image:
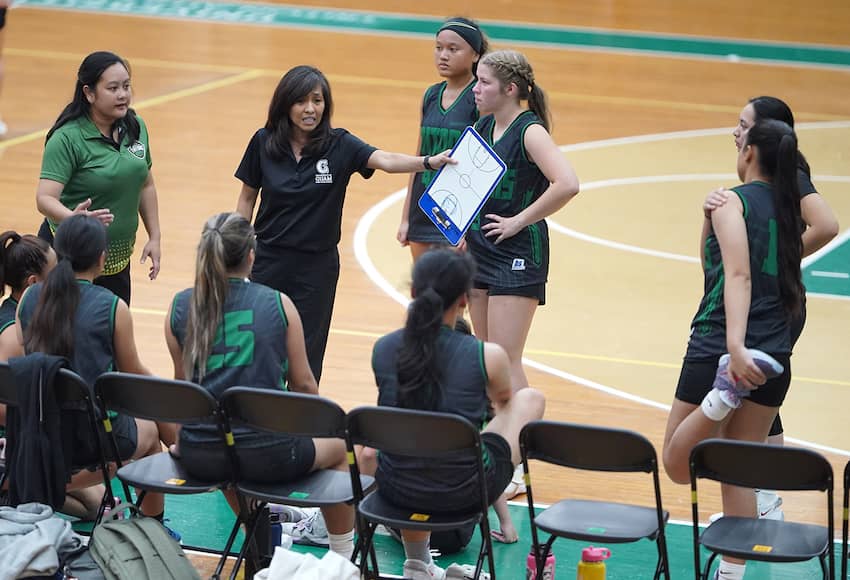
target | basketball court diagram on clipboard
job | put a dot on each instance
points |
(456, 194)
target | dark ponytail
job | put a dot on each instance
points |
(79, 243)
(767, 108)
(89, 73)
(20, 258)
(778, 159)
(440, 277)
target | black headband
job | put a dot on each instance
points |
(469, 32)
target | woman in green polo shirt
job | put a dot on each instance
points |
(97, 162)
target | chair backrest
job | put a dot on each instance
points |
(156, 399)
(588, 447)
(412, 433)
(8, 386)
(284, 412)
(760, 465)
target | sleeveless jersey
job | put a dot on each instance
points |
(249, 348)
(464, 391)
(440, 130)
(94, 327)
(523, 259)
(7, 313)
(768, 323)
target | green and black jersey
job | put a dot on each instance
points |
(440, 130)
(94, 328)
(768, 322)
(522, 260)
(7, 313)
(249, 349)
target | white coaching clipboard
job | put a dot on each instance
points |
(456, 194)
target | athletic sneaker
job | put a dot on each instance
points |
(289, 513)
(311, 531)
(768, 503)
(729, 392)
(419, 570)
(464, 572)
(517, 484)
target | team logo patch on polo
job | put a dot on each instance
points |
(323, 172)
(518, 264)
(137, 149)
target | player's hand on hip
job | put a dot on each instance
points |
(104, 215)
(500, 227)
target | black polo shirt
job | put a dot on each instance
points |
(301, 202)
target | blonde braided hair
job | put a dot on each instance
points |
(511, 66)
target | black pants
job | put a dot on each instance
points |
(309, 279)
(118, 283)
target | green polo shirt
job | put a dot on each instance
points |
(91, 166)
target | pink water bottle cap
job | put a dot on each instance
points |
(592, 554)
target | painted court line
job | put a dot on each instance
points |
(153, 102)
(368, 219)
(842, 275)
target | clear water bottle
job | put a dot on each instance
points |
(592, 565)
(531, 566)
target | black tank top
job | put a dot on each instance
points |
(768, 322)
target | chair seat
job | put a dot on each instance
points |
(598, 520)
(769, 540)
(163, 473)
(321, 487)
(376, 509)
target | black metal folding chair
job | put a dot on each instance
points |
(415, 434)
(170, 401)
(291, 414)
(594, 448)
(758, 465)
(73, 394)
(844, 517)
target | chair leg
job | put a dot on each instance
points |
(366, 549)
(540, 556)
(227, 547)
(663, 561)
(486, 548)
(250, 528)
(708, 563)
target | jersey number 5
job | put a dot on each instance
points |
(236, 339)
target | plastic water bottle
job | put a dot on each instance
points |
(592, 565)
(531, 566)
(275, 529)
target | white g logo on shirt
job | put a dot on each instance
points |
(322, 166)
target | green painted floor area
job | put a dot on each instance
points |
(830, 273)
(205, 520)
(383, 23)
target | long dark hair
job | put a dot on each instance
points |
(79, 243)
(295, 85)
(440, 277)
(766, 108)
(91, 69)
(225, 242)
(776, 143)
(21, 256)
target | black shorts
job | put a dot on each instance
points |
(126, 438)
(537, 291)
(697, 377)
(498, 470)
(266, 459)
